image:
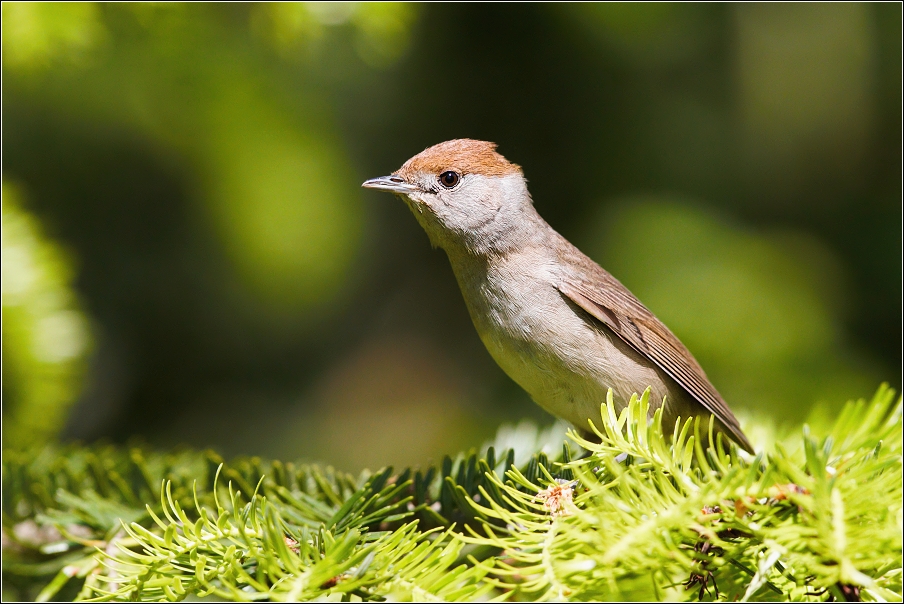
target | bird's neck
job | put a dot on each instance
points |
(504, 236)
(472, 256)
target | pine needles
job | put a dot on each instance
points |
(639, 516)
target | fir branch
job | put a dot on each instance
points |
(652, 516)
(640, 516)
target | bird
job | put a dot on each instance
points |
(555, 321)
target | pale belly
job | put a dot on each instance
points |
(573, 386)
(564, 359)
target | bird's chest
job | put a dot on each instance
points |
(563, 360)
(533, 334)
(514, 311)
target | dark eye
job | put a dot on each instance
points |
(449, 179)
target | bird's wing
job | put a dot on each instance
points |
(620, 311)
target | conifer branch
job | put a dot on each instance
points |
(638, 516)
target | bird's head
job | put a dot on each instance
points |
(464, 193)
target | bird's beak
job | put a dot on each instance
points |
(393, 184)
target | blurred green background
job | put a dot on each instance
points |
(188, 257)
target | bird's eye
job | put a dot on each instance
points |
(449, 179)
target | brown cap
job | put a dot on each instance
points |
(463, 155)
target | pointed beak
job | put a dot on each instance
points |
(393, 184)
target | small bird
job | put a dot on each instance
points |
(555, 321)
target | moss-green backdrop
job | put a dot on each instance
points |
(188, 257)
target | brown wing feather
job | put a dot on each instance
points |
(631, 321)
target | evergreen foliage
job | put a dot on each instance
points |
(638, 516)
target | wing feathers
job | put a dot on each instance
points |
(631, 321)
